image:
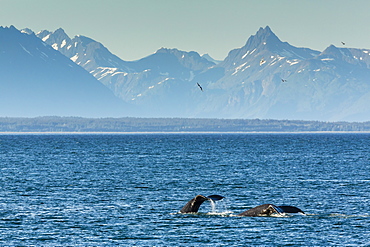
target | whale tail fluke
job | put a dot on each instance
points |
(291, 209)
(193, 205)
(215, 197)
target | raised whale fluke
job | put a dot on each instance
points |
(269, 209)
(193, 205)
(291, 209)
(215, 197)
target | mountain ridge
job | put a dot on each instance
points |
(266, 78)
(37, 80)
(261, 82)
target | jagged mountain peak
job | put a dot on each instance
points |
(53, 38)
(348, 55)
(61, 33)
(38, 80)
(166, 59)
(265, 44)
(336, 52)
(173, 51)
(333, 52)
(266, 78)
(43, 33)
(191, 59)
(60, 30)
(85, 40)
(262, 37)
(178, 52)
(27, 31)
(83, 50)
(331, 48)
(11, 27)
(265, 33)
(166, 50)
(11, 30)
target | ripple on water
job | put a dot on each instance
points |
(102, 190)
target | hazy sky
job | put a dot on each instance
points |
(133, 29)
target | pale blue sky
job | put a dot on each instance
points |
(133, 29)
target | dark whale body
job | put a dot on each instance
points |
(263, 210)
(270, 209)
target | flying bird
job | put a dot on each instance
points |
(262, 61)
(283, 80)
(200, 87)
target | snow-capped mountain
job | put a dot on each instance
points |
(82, 50)
(158, 82)
(37, 80)
(266, 78)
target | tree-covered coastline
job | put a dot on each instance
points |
(129, 124)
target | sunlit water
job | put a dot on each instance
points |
(126, 190)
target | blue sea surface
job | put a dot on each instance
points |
(127, 189)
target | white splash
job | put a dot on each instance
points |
(219, 208)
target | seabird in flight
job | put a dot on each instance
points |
(262, 61)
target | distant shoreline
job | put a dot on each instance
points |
(181, 132)
(128, 125)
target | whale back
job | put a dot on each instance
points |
(262, 210)
(269, 209)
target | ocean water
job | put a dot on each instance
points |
(127, 189)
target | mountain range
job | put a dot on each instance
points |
(266, 78)
(37, 80)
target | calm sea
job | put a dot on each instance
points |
(126, 190)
